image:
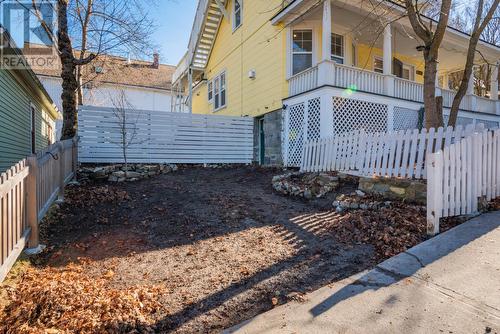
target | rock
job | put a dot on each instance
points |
(119, 174)
(360, 193)
(364, 206)
(133, 175)
(99, 173)
(307, 194)
(398, 191)
(339, 209)
(336, 203)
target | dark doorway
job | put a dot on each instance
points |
(262, 142)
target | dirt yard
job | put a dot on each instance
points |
(212, 248)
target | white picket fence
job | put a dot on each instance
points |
(390, 154)
(164, 137)
(460, 174)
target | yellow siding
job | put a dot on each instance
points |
(256, 45)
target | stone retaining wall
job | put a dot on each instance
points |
(411, 191)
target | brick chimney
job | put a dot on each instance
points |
(156, 60)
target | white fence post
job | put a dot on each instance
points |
(434, 191)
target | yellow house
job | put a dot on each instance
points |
(309, 69)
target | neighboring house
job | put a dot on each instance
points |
(27, 113)
(309, 69)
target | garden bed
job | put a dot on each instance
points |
(195, 250)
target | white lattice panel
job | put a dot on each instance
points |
(405, 119)
(488, 124)
(295, 134)
(350, 115)
(464, 121)
(314, 119)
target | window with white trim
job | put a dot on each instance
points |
(408, 72)
(302, 50)
(337, 48)
(237, 14)
(378, 64)
(219, 95)
(210, 91)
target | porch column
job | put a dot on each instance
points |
(326, 68)
(190, 89)
(327, 31)
(389, 77)
(494, 83)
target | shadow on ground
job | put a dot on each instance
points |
(225, 245)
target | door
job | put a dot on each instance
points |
(262, 142)
(33, 129)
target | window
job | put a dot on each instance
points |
(210, 91)
(378, 65)
(237, 14)
(338, 48)
(219, 91)
(408, 72)
(302, 50)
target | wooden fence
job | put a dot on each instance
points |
(460, 174)
(391, 154)
(27, 190)
(164, 137)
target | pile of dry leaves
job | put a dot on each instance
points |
(69, 301)
(391, 230)
(81, 197)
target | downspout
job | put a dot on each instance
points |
(190, 87)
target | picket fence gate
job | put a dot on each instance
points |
(27, 190)
(164, 137)
(460, 174)
(390, 154)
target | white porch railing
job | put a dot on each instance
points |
(486, 105)
(359, 79)
(408, 90)
(362, 80)
(304, 81)
(448, 96)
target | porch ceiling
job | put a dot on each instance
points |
(365, 26)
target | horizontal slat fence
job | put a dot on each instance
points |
(460, 174)
(164, 137)
(27, 190)
(390, 154)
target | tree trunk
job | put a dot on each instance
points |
(80, 87)
(431, 116)
(462, 90)
(68, 73)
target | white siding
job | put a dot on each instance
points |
(139, 97)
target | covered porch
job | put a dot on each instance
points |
(362, 48)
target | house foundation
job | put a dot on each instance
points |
(268, 139)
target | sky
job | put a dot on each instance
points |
(174, 20)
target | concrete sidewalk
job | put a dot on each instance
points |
(449, 284)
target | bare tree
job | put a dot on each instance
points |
(126, 117)
(96, 27)
(483, 18)
(432, 39)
